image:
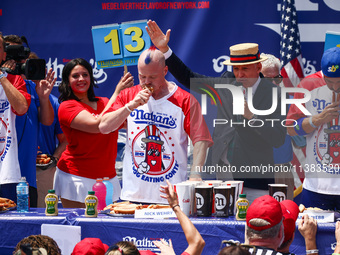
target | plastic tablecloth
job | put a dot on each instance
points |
(15, 226)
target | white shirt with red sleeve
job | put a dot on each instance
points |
(322, 168)
(157, 142)
(9, 163)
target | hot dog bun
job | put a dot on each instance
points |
(127, 207)
(158, 206)
(148, 87)
(111, 206)
(302, 208)
(43, 159)
(6, 203)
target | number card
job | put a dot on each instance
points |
(120, 44)
(332, 40)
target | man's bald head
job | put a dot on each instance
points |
(151, 56)
(152, 71)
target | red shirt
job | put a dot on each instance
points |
(90, 155)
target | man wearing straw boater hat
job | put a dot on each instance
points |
(253, 143)
(240, 146)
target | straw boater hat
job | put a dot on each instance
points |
(244, 54)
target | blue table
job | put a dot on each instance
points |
(15, 226)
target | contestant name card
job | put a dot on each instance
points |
(320, 216)
(117, 45)
(155, 213)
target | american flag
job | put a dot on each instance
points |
(290, 48)
(292, 70)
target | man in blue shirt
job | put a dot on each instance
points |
(52, 141)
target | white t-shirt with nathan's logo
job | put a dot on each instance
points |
(157, 142)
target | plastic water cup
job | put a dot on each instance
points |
(184, 193)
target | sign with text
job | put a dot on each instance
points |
(155, 213)
(321, 216)
(332, 40)
(119, 44)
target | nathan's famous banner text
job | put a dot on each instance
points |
(201, 31)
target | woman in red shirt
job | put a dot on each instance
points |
(89, 154)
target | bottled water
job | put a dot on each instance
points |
(22, 196)
(109, 190)
(100, 191)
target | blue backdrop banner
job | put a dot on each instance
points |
(201, 31)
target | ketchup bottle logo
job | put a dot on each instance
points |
(333, 144)
(153, 151)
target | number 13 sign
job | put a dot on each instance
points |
(120, 44)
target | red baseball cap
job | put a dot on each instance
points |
(290, 211)
(90, 246)
(266, 208)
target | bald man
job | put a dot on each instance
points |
(160, 118)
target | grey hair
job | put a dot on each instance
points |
(263, 234)
(271, 61)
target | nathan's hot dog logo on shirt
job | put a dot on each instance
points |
(4, 105)
(332, 155)
(143, 117)
(152, 155)
(153, 151)
(327, 145)
(5, 138)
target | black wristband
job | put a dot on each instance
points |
(173, 208)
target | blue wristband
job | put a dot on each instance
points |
(3, 74)
(311, 122)
(298, 128)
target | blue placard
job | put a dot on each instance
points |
(120, 44)
(135, 38)
(107, 42)
(332, 40)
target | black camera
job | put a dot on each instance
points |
(17, 52)
(33, 69)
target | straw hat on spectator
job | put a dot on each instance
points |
(244, 54)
